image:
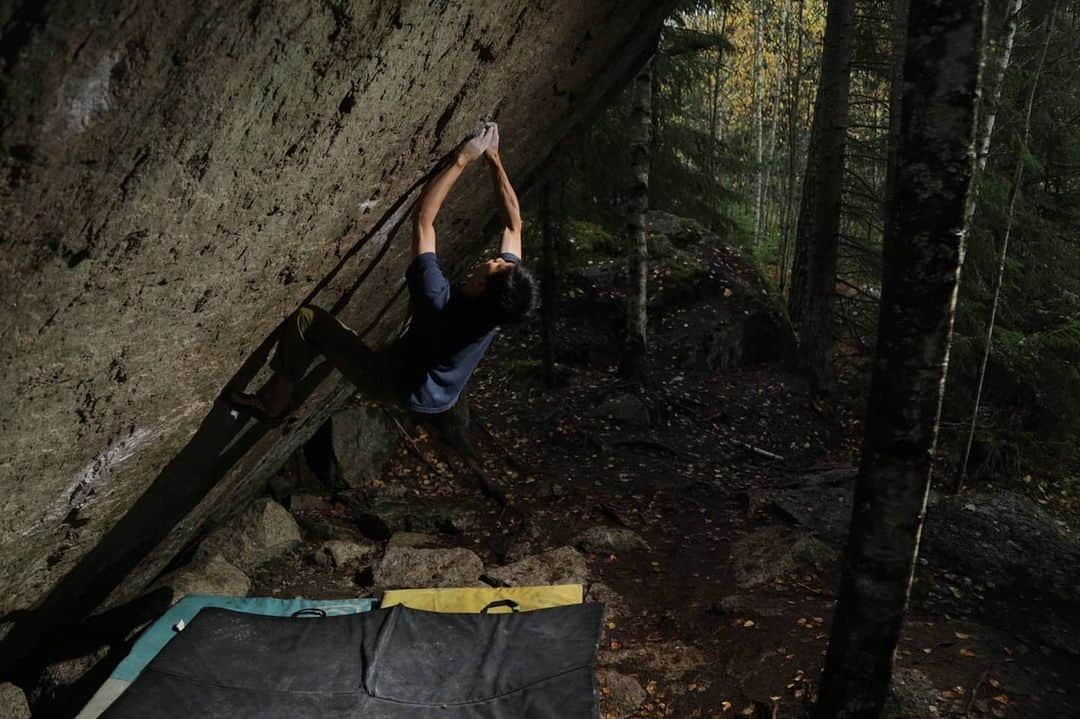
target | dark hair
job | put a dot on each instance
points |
(511, 294)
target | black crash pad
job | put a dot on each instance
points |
(386, 664)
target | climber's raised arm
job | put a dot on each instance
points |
(508, 201)
(433, 194)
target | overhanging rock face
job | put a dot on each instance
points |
(178, 177)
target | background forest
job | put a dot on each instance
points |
(733, 88)
(726, 422)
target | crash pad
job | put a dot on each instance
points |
(496, 600)
(388, 663)
(170, 624)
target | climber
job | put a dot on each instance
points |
(451, 325)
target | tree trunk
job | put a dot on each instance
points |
(794, 79)
(990, 106)
(634, 343)
(770, 152)
(896, 92)
(1014, 191)
(718, 82)
(759, 102)
(1012, 14)
(828, 140)
(924, 246)
(549, 291)
(804, 229)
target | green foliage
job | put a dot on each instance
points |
(589, 241)
(691, 169)
(1031, 396)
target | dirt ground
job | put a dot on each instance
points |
(685, 479)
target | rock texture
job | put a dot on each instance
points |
(262, 532)
(602, 539)
(13, 702)
(405, 567)
(620, 695)
(209, 575)
(179, 177)
(337, 553)
(563, 565)
(773, 552)
(364, 440)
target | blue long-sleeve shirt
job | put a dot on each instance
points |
(447, 336)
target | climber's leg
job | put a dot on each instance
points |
(307, 333)
(367, 369)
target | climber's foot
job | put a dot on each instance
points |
(269, 405)
(249, 405)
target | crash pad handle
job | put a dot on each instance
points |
(309, 612)
(514, 606)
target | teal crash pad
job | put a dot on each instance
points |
(160, 632)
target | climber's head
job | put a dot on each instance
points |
(507, 289)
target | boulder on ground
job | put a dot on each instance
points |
(913, 696)
(379, 519)
(602, 539)
(773, 552)
(363, 439)
(304, 503)
(620, 695)
(338, 553)
(410, 568)
(564, 565)
(1005, 541)
(318, 527)
(167, 242)
(207, 575)
(13, 702)
(412, 539)
(263, 532)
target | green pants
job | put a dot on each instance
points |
(312, 331)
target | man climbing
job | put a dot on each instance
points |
(451, 325)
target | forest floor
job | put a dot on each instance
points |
(725, 613)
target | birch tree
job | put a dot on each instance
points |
(759, 119)
(766, 170)
(1014, 191)
(924, 249)
(634, 354)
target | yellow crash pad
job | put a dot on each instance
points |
(469, 600)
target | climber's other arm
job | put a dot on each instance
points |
(431, 198)
(508, 201)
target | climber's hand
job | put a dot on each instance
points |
(476, 147)
(492, 152)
